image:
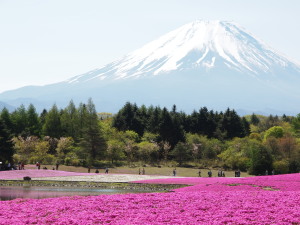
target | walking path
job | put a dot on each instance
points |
(72, 176)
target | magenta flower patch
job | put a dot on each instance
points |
(253, 200)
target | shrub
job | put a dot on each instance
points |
(294, 166)
(281, 166)
(49, 159)
(27, 178)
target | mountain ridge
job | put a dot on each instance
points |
(204, 63)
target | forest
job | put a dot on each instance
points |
(140, 135)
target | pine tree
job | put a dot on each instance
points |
(52, 125)
(70, 121)
(19, 118)
(129, 118)
(92, 142)
(33, 123)
(154, 120)
(232, 124)
(6, 146)
(6, 118)
(170, 129)
(254, 119)
(193, 123)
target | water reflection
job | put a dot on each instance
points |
(10, 193)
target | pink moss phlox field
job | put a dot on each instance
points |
(208, 201)
(19, 174)
(287, 182)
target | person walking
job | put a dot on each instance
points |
(174, 172)
(209, 173)
(199, 173)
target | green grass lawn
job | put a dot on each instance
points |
(149, 170)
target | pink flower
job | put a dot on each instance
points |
(253, 200)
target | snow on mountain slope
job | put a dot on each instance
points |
(201, 45)
(205, 63)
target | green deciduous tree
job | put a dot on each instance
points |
(65, 145)
(296, 124)
(238, 153)
(25, 147)
(261, 160)
(148, 151)
(275, 131)
(115, 150)
(181, 153)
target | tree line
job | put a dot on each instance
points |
(78, 135)
(70, 136)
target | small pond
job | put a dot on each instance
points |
(13, 192)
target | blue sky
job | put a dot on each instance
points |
(47, 41)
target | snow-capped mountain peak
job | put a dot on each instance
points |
(215, 64)
(202, 45)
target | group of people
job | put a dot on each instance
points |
(97, 170)
(221, 173)
(9, 166)
(38, 166)
(237, 173)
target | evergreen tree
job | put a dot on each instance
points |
(6, 146)
(43, 117)
(52, 125)
(19, 118)
(92, 142)
(128, 118)
(82, 115)
(286, 118)
(246, 127)
(254, 119)
(70, 121)
(165, 126)
(203, 121)
(193, 123)
(212, 124)
(154, 120)
(232, 124)
(170, 129)
(33, 123)
(143, 118)
(6, 118)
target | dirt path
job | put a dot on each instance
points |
(105, 178)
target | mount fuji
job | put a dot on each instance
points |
(216, 64)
